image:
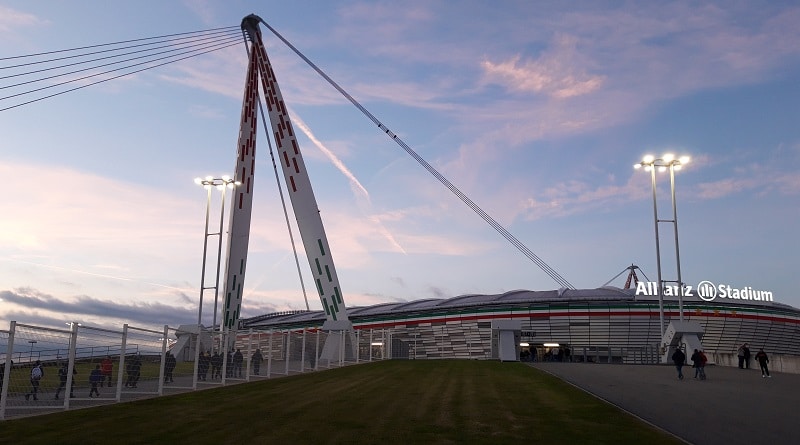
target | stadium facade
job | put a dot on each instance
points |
(607, 324)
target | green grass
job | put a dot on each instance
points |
(432, 402)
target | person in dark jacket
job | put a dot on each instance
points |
(63, 372)
(169, 366)
(95, 379)
(238, 358)
(257, 359)
(762, 359)
(679, 358)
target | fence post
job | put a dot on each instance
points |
(371, 330)
(197, 354)
(269, 356)
(249, 353)
(316, 351)
(8, 368)
(303, 353)
(286, 350)
(73, 346)
(225, 339)
(123, 352)
(162, 366)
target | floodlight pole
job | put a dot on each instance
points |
(650, 163)
(222, 184)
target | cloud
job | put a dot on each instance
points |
(30, 304)
(556, 73)
(11, 18)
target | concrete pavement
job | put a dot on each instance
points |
(733, 406)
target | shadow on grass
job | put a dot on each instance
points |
(433, 402)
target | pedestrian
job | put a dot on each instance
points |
(169, 366)
(679, 358)
(204, 361)
(36, 376)
(740, 355)
(216, 365)
(698, 364)
(133, 368)
(703, 361)
(95, 378)
(3, 372)
(63, 372)
(238, 358)
(257, 359)
(107, 368)
(762, 359)
(747, 356)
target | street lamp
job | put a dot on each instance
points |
(221, 184)
(32, 342)
(664, 163)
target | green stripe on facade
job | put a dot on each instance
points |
(319, 268)
(335, 306)
(319, 288)
(328, 272)
(321, 249)
(241, 267)
(325, 305)
(338, 295)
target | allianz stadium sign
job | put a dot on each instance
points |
(706, 291)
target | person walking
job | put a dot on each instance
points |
(63, 372)
(699, 365)
(703, 361)
(169, 367)
(679, 358)
(95, 378)
(740, 355)
(762, 359)
(238, 359)
(36, 376)
(216, 366)
(3, 371)
(257, 359)
(746, 356)
(107, 368)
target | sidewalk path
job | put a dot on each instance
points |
(734, 406)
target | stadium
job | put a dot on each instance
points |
(605, 325)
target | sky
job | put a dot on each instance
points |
(535, 110)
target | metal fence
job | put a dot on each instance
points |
(86, 366)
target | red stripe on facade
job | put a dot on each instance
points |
(296, 168)
(294, 187)
(286, 158)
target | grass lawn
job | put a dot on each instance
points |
(427, 401)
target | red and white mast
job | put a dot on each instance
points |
(297, 182)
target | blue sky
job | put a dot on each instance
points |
(535, 110)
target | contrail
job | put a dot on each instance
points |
(336, 161)
(355, 184)
(94, 274)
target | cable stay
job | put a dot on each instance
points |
(133, 58)
(632, 277)
(463, 197)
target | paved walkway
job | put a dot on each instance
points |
(733, 406)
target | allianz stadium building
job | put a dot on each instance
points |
(608, 325)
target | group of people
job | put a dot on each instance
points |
(699, 361)
(233, 365)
